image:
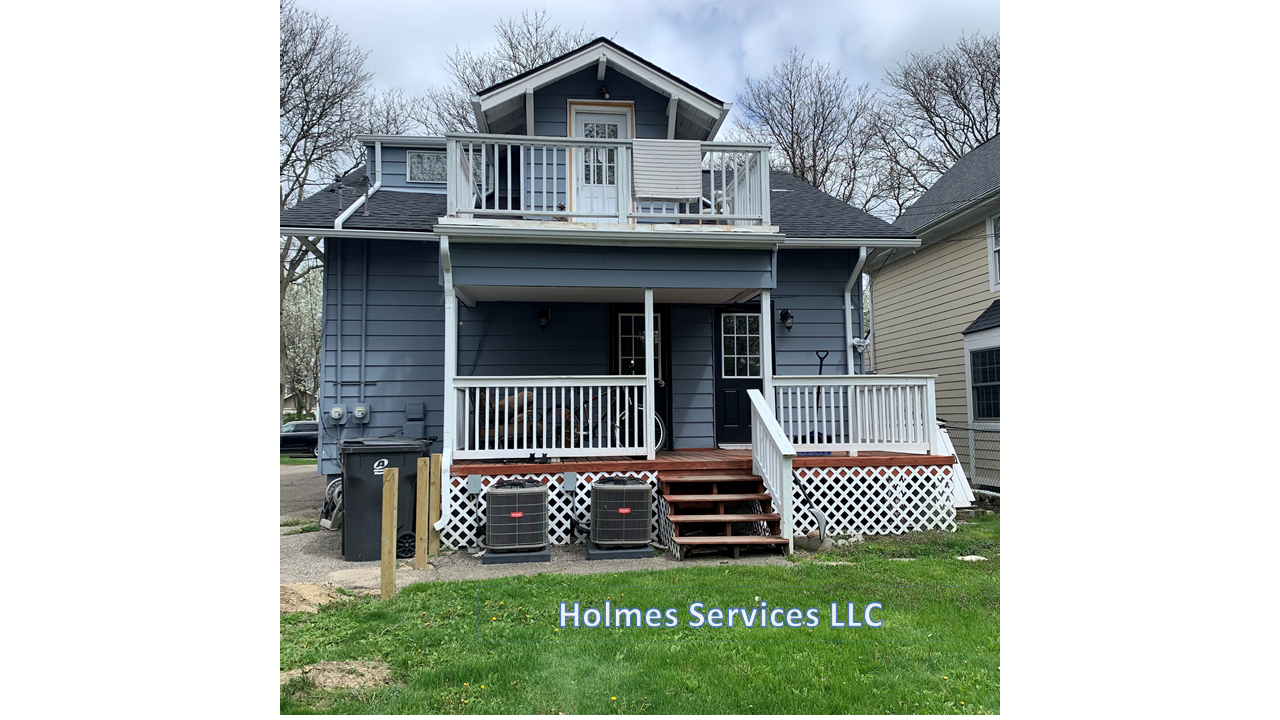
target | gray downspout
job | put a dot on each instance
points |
(337, 365)
(364, 311)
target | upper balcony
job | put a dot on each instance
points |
(519, 180)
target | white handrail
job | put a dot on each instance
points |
(554, 415)
(537, 177)
(858, 412)
(771, 456)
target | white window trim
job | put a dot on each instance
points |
(719, 356)
(993, 282)
(424, 182)
(981, 340)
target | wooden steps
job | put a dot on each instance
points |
(750, 517)
(734, 540)
(698, 497)
(717, 497)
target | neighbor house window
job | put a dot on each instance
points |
(427, 167)
(984, 366)
(993, 251)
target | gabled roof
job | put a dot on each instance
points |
(500, 104)
(972, 180)
(796, 207)
(989, 318)
(598, 41)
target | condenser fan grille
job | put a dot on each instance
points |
(621, 513)
(517, 518)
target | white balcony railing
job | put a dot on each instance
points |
(560, 416)
(857, 412)
(589, 180)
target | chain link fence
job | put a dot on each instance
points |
(978, 450)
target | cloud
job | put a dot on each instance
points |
(713, 45)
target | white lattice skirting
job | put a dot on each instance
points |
(467, 511)
(873, 500)
(876, 500)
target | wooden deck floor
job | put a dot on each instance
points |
(696, 459)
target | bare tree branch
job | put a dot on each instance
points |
(522, 44)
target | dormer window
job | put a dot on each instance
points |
(427, 167)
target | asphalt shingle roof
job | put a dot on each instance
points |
(988, 319)
(973, 176)
(802, 210)
(797, 208)
(388, 209)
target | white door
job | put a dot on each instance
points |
(595, 170)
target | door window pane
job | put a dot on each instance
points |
(740, 345)
(632, 342)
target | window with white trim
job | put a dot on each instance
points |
(427, 167)
(984, 373)
(993, 251)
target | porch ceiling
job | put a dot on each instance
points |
(694, 296)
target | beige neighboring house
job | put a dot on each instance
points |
(936, 309)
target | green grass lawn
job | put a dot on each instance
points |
(495, 646)
(286, 460)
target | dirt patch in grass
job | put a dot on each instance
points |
(348, 675)
(305, 597)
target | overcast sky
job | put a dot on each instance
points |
(713, 45)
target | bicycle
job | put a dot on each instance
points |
(624, 428)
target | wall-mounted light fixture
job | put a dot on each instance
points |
(787, 319)
(603, 91)
(544, 318)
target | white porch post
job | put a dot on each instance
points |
(650, 397)
(450, 362)
(931, 411)
(766, 349)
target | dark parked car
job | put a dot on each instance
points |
(300, 438)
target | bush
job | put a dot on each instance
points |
(302, 415)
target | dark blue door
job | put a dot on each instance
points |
(738, 368)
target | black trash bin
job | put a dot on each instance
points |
(363, 461)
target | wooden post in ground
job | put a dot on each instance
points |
(421, 514)
(433, 515)
(390, 492)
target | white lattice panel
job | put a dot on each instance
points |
(876, 500)
(466, 512)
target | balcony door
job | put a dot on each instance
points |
(595, 170)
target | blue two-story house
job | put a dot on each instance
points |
(595, 282)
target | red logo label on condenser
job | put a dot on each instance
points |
(517, 514)
(624, 511)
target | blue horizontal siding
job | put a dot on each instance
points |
(692, 381)
(566, 266)
(811, 286)
(404, 328)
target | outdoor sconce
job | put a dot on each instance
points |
(603, 91)
(544, 318)
(787, 319)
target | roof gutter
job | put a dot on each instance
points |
(377, 155)
(801, 243)
(370, 234)
(848, 310)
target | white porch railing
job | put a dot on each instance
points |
(857, 412)
(561, 416)
(589, 180)
(771, 456)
